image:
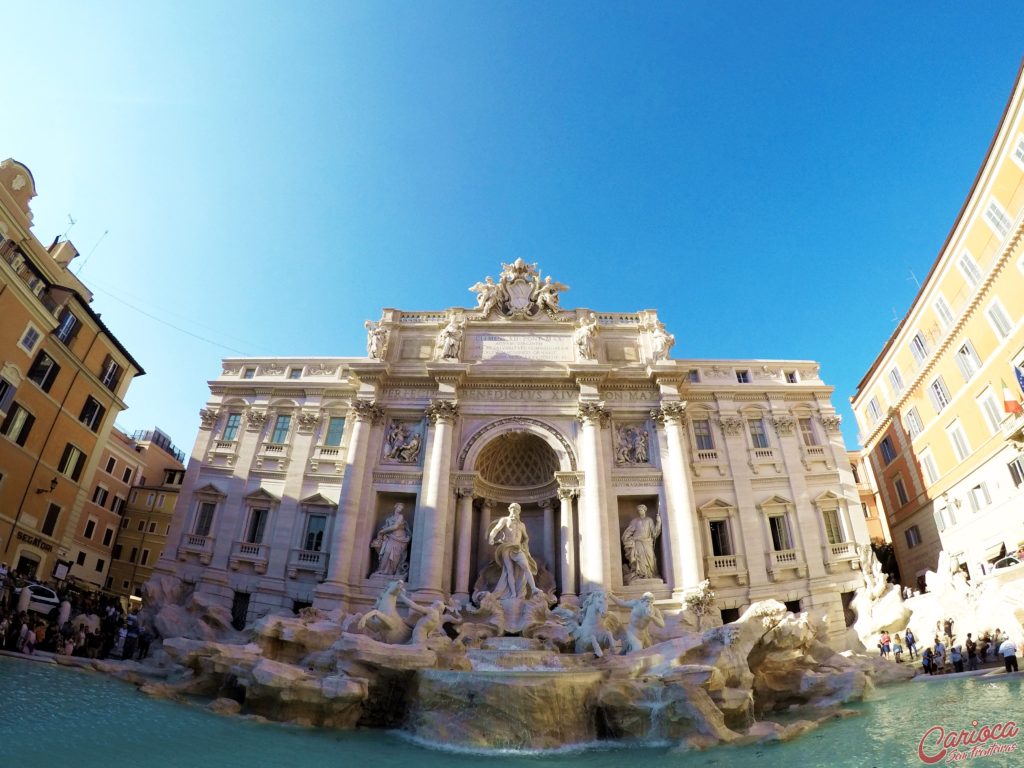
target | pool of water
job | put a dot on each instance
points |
(55, 716)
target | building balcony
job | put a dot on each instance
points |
(223, 452)
(780, 561)
(329, 456)
(196, 545)
(709, 458)
(307, 560)
(1013, 428)
(843, 554)
(764, 457)
(256, 555)
(272, 456)
(717, 567)
(810, 454)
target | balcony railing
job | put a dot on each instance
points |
(307, 560)
(1012, 427)
(785, 559)
(726, 565)
(329, 455)
(840, 553)
(764, 454)
(250, 552)
(707, 455)
(196, 544)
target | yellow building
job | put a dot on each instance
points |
(147, 515)
(867, 489)
(945, 453)
(63, 378)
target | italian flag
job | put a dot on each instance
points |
(1010, 402)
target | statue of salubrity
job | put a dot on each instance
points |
(638, 545)
(392, 544)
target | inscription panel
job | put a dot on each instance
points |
(518, 346)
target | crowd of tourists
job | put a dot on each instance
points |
(97, 627)
(947, 654)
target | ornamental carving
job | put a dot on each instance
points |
(229, 371)
(442, 411)
(585, 336)
(718, 372)
(731, 425)
(273, 370)
(564, 494)
(674, 412)
(403, 442)
(632, 445)
(322, 370)
(367, 410)
(517, 420)
(307, 421)
(520, 293)
(208, 417)
(784, 425)
(593, 414)
(662, 342)
(831, 422)
(255, 419)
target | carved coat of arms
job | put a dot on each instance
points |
(520, 293)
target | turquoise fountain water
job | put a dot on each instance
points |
(55, 716)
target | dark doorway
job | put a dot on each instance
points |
(239, 610)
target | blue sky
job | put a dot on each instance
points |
(768, 176)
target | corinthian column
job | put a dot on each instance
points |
(567, 544)
(362, 415)
(427, 576)
(592, 537)
(464, 535)
(683, 535)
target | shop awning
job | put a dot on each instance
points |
(995, 551)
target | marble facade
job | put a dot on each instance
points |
(578, 416)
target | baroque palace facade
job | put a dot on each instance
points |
(938, 410)
(319, 480)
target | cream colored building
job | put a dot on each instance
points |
(146, 517)
(946, 456)
(578, 416)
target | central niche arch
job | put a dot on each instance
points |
(516, 466)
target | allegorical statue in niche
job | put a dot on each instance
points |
(663, 342)
(638, 544)
(584, 335)
(449, 340)
(402, 444)
(512, 556)
(392, 544)
(376, 338)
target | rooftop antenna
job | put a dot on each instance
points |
(895, 316)
(914, 278)
(85, 261)
(71, 223)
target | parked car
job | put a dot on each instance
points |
(1007, 562)
(43, 599)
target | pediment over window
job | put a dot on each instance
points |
(828, 499)
(775, 502)
(318, 500)
(262, 494)
(209, 490)
(716, 507)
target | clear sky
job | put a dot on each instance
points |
(769, 176)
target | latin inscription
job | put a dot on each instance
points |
(501, 346)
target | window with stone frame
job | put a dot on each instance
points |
(807, 432)
(778, 525)
(256, 524)
(313, 537)
(703, 438)
(335, 430)
(833, 526)
(231, 426)
(282, 424)
(721, 538)
(204, 518)
(758, 433)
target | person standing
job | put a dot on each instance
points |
(972, 653)
(957, 658)
(939, 656)
(897, 649)
(1008, 649)
(911, 642)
